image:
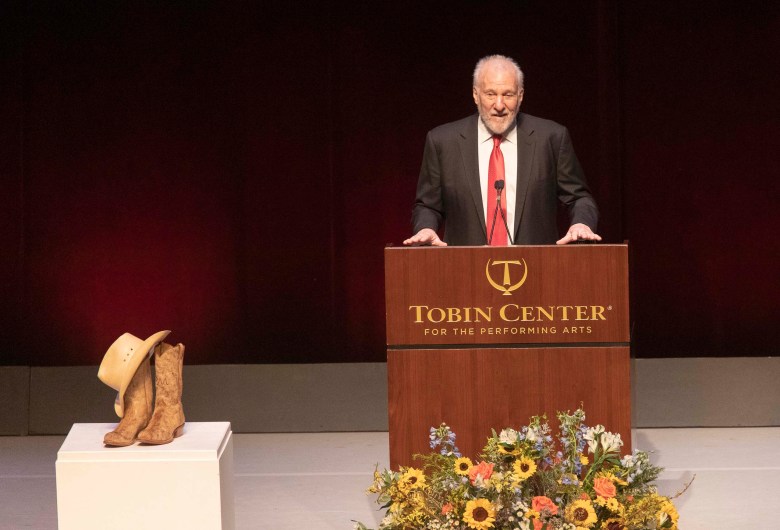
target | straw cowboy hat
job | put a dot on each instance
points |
(122, 360)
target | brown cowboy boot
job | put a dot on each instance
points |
(138, 408)
(167, 420)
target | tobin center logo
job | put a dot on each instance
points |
(507, 271)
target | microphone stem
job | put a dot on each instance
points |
(506, 224)
(493, 227)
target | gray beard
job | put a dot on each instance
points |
(508, 128)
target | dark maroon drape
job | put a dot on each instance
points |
(233, 171)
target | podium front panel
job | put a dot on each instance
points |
(476, 390)
(484, 338)
(507, 295)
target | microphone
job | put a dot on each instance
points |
(499, 185)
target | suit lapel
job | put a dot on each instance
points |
(470, 157)
(526, 147)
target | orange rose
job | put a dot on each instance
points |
(537, 524)
(604, 487)
(447, 508)
(544, 503)
(483, 468)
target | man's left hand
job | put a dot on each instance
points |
(578, 232)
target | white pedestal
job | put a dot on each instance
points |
(187, 483)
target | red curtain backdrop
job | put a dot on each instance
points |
(233, 172)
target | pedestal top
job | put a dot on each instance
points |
(200, 441)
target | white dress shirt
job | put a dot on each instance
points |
(509, 151)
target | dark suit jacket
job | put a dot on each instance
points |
(449, 193)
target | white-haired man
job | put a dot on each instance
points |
(500, 156)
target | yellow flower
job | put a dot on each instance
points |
(581, 513)
(479, 514)
(412, 479)
(668, 513)
(497, 482)
(504, 451)
(398, 507)
(614, 506)
(612, 524)
(584, 460)
(462, 465)
(531, 514)
(524, 467)
(613, 478)
(376, 487)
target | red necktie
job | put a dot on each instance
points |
(496, 172)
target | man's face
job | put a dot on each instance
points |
(498, 97)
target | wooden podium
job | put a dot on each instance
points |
(484, 338)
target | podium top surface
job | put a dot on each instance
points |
(563, 248)
(200, 441)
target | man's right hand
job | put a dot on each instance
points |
(425, 237)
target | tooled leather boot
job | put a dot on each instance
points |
(167, 420)
(137, 410)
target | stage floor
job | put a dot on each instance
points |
(317, 481)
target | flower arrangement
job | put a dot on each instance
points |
(524, 480)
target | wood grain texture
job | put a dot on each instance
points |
(473, 345)
(476, 390)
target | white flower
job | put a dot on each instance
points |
(611, 442)
(531, 435)
(519, 508)
(592, 435)
(508, 436)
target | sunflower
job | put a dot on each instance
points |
(412, 479)
(462, 465)
(531, 514)
(514, 451)
(581, 513)
(612, 524)
(668, 513)
(479, 514)
(524, 467)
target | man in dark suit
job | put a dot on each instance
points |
(536, 168)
